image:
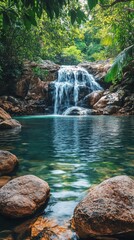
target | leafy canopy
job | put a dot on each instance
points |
(30, 10)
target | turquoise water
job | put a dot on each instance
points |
(71, 154)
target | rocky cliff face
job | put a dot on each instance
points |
(33, 94)
(115, 99)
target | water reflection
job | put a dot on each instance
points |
(72, 153)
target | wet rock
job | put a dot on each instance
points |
(102, 103)
(9, 124)
(6, 122)
(77, 111)
(48, 229)
(4, 115)
(92, 98)
(109, 102)
(98, 69)
(107, 210)
(8, 162)
(22, 196)
(110, 109)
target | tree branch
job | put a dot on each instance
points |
(113, 3)
(129, 9)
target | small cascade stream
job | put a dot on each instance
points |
(72, 85)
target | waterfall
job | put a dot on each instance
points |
(73, 84)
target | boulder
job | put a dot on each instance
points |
(92, 98)
(107, 210)
(9, 124)
(109, 103)
(77, 111)
(4, 115)
(22, 196)
(110, 109)
(8, 161)
(6, 122)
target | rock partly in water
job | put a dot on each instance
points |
(9, 124)
(78, 111)
(109, 103)
(4, 115)
(22, 196)
(6, 122)
(8, 162)
(107, 210)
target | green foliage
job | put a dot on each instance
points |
(77, 15)
(30, 11)
(71, 55)
(39, 72)
(116, 71)
(16, 45)
(30, 29)
(92, 3)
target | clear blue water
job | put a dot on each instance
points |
(71, 154)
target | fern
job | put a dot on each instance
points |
(115, 73)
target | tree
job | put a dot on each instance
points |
(29, 11)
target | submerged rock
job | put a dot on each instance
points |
(22, 196)
(107, 210)
(48, 229)
(8, 162)
(77, 111)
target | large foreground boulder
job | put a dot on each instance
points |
(8, 161)
(107, 210)
(22, 196)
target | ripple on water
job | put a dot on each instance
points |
(72, 154)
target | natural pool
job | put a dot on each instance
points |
(71, 154)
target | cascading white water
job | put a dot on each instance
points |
(71, 82)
